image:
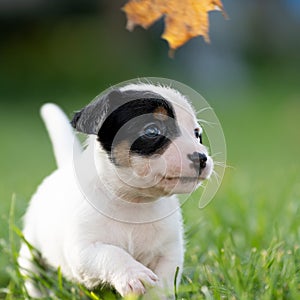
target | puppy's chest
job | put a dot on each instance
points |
(142, 241)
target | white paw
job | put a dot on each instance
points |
(134, 280)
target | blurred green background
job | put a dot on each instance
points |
(68, 51)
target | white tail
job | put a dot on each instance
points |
(62, 136)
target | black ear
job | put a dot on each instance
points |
(90, 119)
(76, 117)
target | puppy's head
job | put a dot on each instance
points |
(151, 139)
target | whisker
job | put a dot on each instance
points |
(217, 176)
(201, 121)
(222, 164)
(215, 154)
(203, 109)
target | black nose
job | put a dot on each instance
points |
(199, 160)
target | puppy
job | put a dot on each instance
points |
(108, 214)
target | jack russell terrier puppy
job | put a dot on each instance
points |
(109, 214)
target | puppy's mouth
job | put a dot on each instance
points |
(181, 179)
(178, 184)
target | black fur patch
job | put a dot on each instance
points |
(135, 122)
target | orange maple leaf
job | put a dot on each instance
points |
(184, 19)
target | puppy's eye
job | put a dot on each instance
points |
(151, 131)
(198, 135)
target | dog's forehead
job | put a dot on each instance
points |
(170, 94)
(179, 101)
(131, 103)
(185, 113)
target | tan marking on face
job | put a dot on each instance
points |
(141, 166)
(121, 154)
(160, 114)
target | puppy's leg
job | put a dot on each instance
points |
(165, 269)
(101, 263)
(27, 269)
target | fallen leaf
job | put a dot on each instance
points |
(184, 19)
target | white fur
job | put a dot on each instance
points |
(61, 134)
(89, 245)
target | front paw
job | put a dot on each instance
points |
(134, 280)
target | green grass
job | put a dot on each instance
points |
(244, 245)
(46, 279)
(223, 259)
